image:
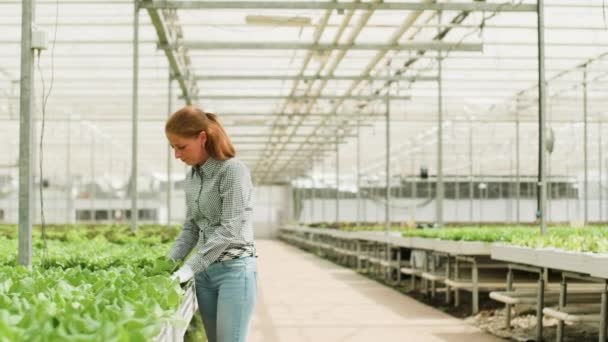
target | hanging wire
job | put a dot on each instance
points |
(45, 98)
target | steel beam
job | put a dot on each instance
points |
(312, 78)
(168, 31)
(406, 46)
(331, 5)
(294, 98)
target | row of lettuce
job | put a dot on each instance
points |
(581, 239)
(96, 283)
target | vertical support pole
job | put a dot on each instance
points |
(313, 190)
(508, 306)
(425, 269)
(599, 158)
(387, 209)
(112, 213)
(448, 273)
(562, 303)
(586, 146)
(456, 277)
(169, 153)
(323, 190)
(540, 303)
(399, 276)
(93, 181)
(69, 211)
(26, 186)
(517, 175)
(508, 191)
(413, 267)
(542, 205)
(134, 209)
(440, 192)
(470, 169)
(358, 171)
(359, 255)
(603, 313)
(337, 181)
(388, 256)
(432, 271)
(568, 192)
(456, 198)
(475, 280)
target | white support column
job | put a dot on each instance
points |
(169, 152)
(134, 209)
(585, 148)
(440, 194)
(541, 117)
(26, 183)
(387, 207)
(337, 181)
(599, 163)
(69, 210)
(358, 172)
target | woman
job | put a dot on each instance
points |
(218, 222)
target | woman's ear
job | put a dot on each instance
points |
(202, 137)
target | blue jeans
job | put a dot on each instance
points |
(226, 293)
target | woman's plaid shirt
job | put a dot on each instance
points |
(218, 214)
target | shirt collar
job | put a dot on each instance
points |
(208, 168)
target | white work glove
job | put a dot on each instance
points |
(184, 274)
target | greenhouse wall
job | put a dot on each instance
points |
(454, 211)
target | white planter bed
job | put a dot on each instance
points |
(560, 259)
(171, 333)
(599, 265)
(377, 236)
(463, 247)
(401, 241)
(424, 243)
(447, 246)
(515, 254)
(475, 248)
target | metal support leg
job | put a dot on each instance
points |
(448, 269)
(399, 278)
(563, 287)
(413, 267)
(603, 313)
(456, 277)
(540, 304)
(475, 279)
(387, 270)
(433, 285)
(318, 244)
(508, 307)
(425, 281)
(358, 255)
(351, 260)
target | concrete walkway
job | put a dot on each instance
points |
(304, 298)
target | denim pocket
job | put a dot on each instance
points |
(235, 264)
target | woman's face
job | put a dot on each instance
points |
(189, 150)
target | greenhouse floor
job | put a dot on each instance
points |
(304, 298)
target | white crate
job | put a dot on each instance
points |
(172, 333)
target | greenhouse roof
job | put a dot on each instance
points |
(290, 79)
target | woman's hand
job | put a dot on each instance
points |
(184, 274)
